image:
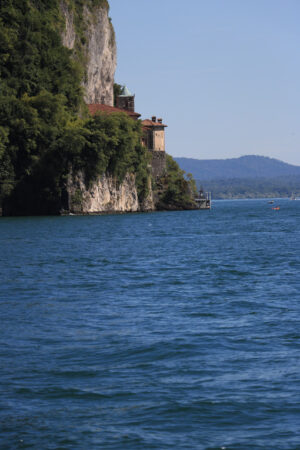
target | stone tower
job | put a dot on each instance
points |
(126, 100)
(154, 140)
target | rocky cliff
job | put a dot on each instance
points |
(94, 42)
(72, 52)
(105, 195)
(99, 55)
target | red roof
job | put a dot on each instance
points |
(96, 107)
(149, 123)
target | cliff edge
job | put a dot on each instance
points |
(55, 158)
(93, 42)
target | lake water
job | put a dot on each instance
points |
(175, 330)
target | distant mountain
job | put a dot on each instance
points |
(251, 166)
(252, 187)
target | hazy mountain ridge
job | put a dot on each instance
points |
(244, 177)
(249, 166)
(277, 187)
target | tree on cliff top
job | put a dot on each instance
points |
(177, 191)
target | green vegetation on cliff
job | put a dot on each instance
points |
(175, 191)
(118, 89)
(46, 132)
(103, 144)
(42, 134)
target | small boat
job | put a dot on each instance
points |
(203, 200)
(276, 208)
(271, 202)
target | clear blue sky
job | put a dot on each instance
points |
(223, 74)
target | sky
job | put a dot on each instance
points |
(223, 74)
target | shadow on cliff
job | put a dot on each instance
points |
(41, 193)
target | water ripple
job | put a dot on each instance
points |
(152, 331)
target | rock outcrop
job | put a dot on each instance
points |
(105, 195)
(99, 49)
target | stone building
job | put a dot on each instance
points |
(125, 100)
(154, 134)
(153, 129)
(154, 140)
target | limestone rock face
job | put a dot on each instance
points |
(105, 195)
(102, 56)
(148, 204)
(97, 43)
(99, 48)
(68, 35)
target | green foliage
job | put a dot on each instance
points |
(78, 4)
(114, 146)
(32, 125)
(177, 192)
(45, 142)
(32, 57)
(6, 168)
(193, 185)
(41, 134)
(77, 198)
(3, 140)
(118, 89)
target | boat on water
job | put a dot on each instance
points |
(271, 202)
(203, 200)
(276, 208)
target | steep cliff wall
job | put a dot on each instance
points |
(89, 33)
(94, 42)
(36, 158)
(105, 195)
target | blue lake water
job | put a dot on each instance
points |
(175, 330)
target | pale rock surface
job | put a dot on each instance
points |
(69, 35)
(100, 50)
(104, 195)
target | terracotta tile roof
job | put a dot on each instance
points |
(148, 123)
(96, 107)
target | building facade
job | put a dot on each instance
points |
(153, 129)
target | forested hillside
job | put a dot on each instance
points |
(244, 177)
(253, 187)
(251, 166)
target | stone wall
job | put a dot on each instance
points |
(159, 139)
(158, 163)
